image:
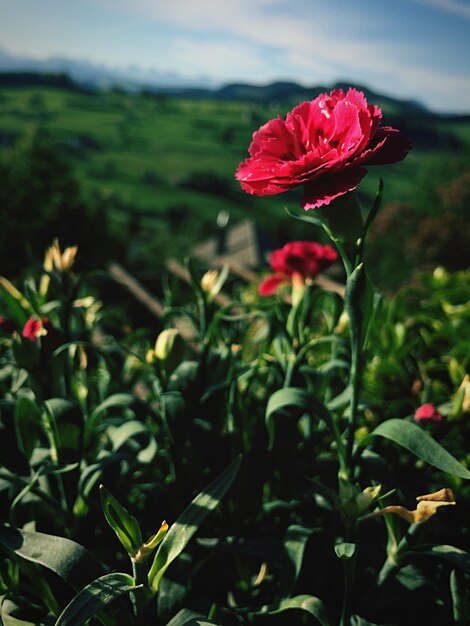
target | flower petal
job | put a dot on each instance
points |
(270, 284)
(324, 190)
(394, 147)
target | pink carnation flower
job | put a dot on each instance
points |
(323, 145)
(297, 262)
(35, 328)
(428, 413)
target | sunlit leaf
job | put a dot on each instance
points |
(68, 559)
(414, 439)
(121, 521)
(455, 556)
(310, 604)
(189, 521)
(94, 597)
(189, 618)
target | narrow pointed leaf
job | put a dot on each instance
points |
(295, 541)
(116, 400)
(189, 521)
(16, 302)
(456, 556)
(375, 207)
(27, 424)
(292, 400)
(121, 521)
(67, 559)
(95, 597)
(185, 617)
(359, 304)
(414, 439)
(307, 603)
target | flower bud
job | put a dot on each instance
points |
(34, 328)
(169, 348)
(55, 259)
(428, 413)
(358, 504)
(209, 281)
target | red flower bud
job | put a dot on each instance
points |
(34, 328)
(428, 413)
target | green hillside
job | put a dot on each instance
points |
(165, 164)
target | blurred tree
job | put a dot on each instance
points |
(40, 199)
(436, 236)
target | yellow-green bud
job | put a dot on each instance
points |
(169, 348)
(357, 504)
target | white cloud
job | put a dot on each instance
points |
(264, 40)
(449, 6)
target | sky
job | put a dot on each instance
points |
(414, 49)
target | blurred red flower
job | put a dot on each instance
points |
(428, 413)
(35, 328)
(297, 262)
(322, 144)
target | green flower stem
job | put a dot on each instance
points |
(290, 370)
(342, 222)
(349, 572)
(393, 561)
(141, 598)
(355, 383)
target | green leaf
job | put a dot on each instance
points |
(27, 424)
(374, 209)
(16, 302)
(185, 617)
(67, 559)
(460, 598)
(290, 400)
(295, 541)
(116, 400)
(94, 597)
(66, 425)
(345, 550)
(8, 620)
(311, 604)
(189, 521)
(125, 432)
(359, 304)
(356, 620)
(121, 521)
(455, 556)
(414, 439)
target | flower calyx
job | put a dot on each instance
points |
(148, 547)
(355, 502)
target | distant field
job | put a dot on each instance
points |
(169, 162)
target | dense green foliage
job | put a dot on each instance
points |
(88, 403)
